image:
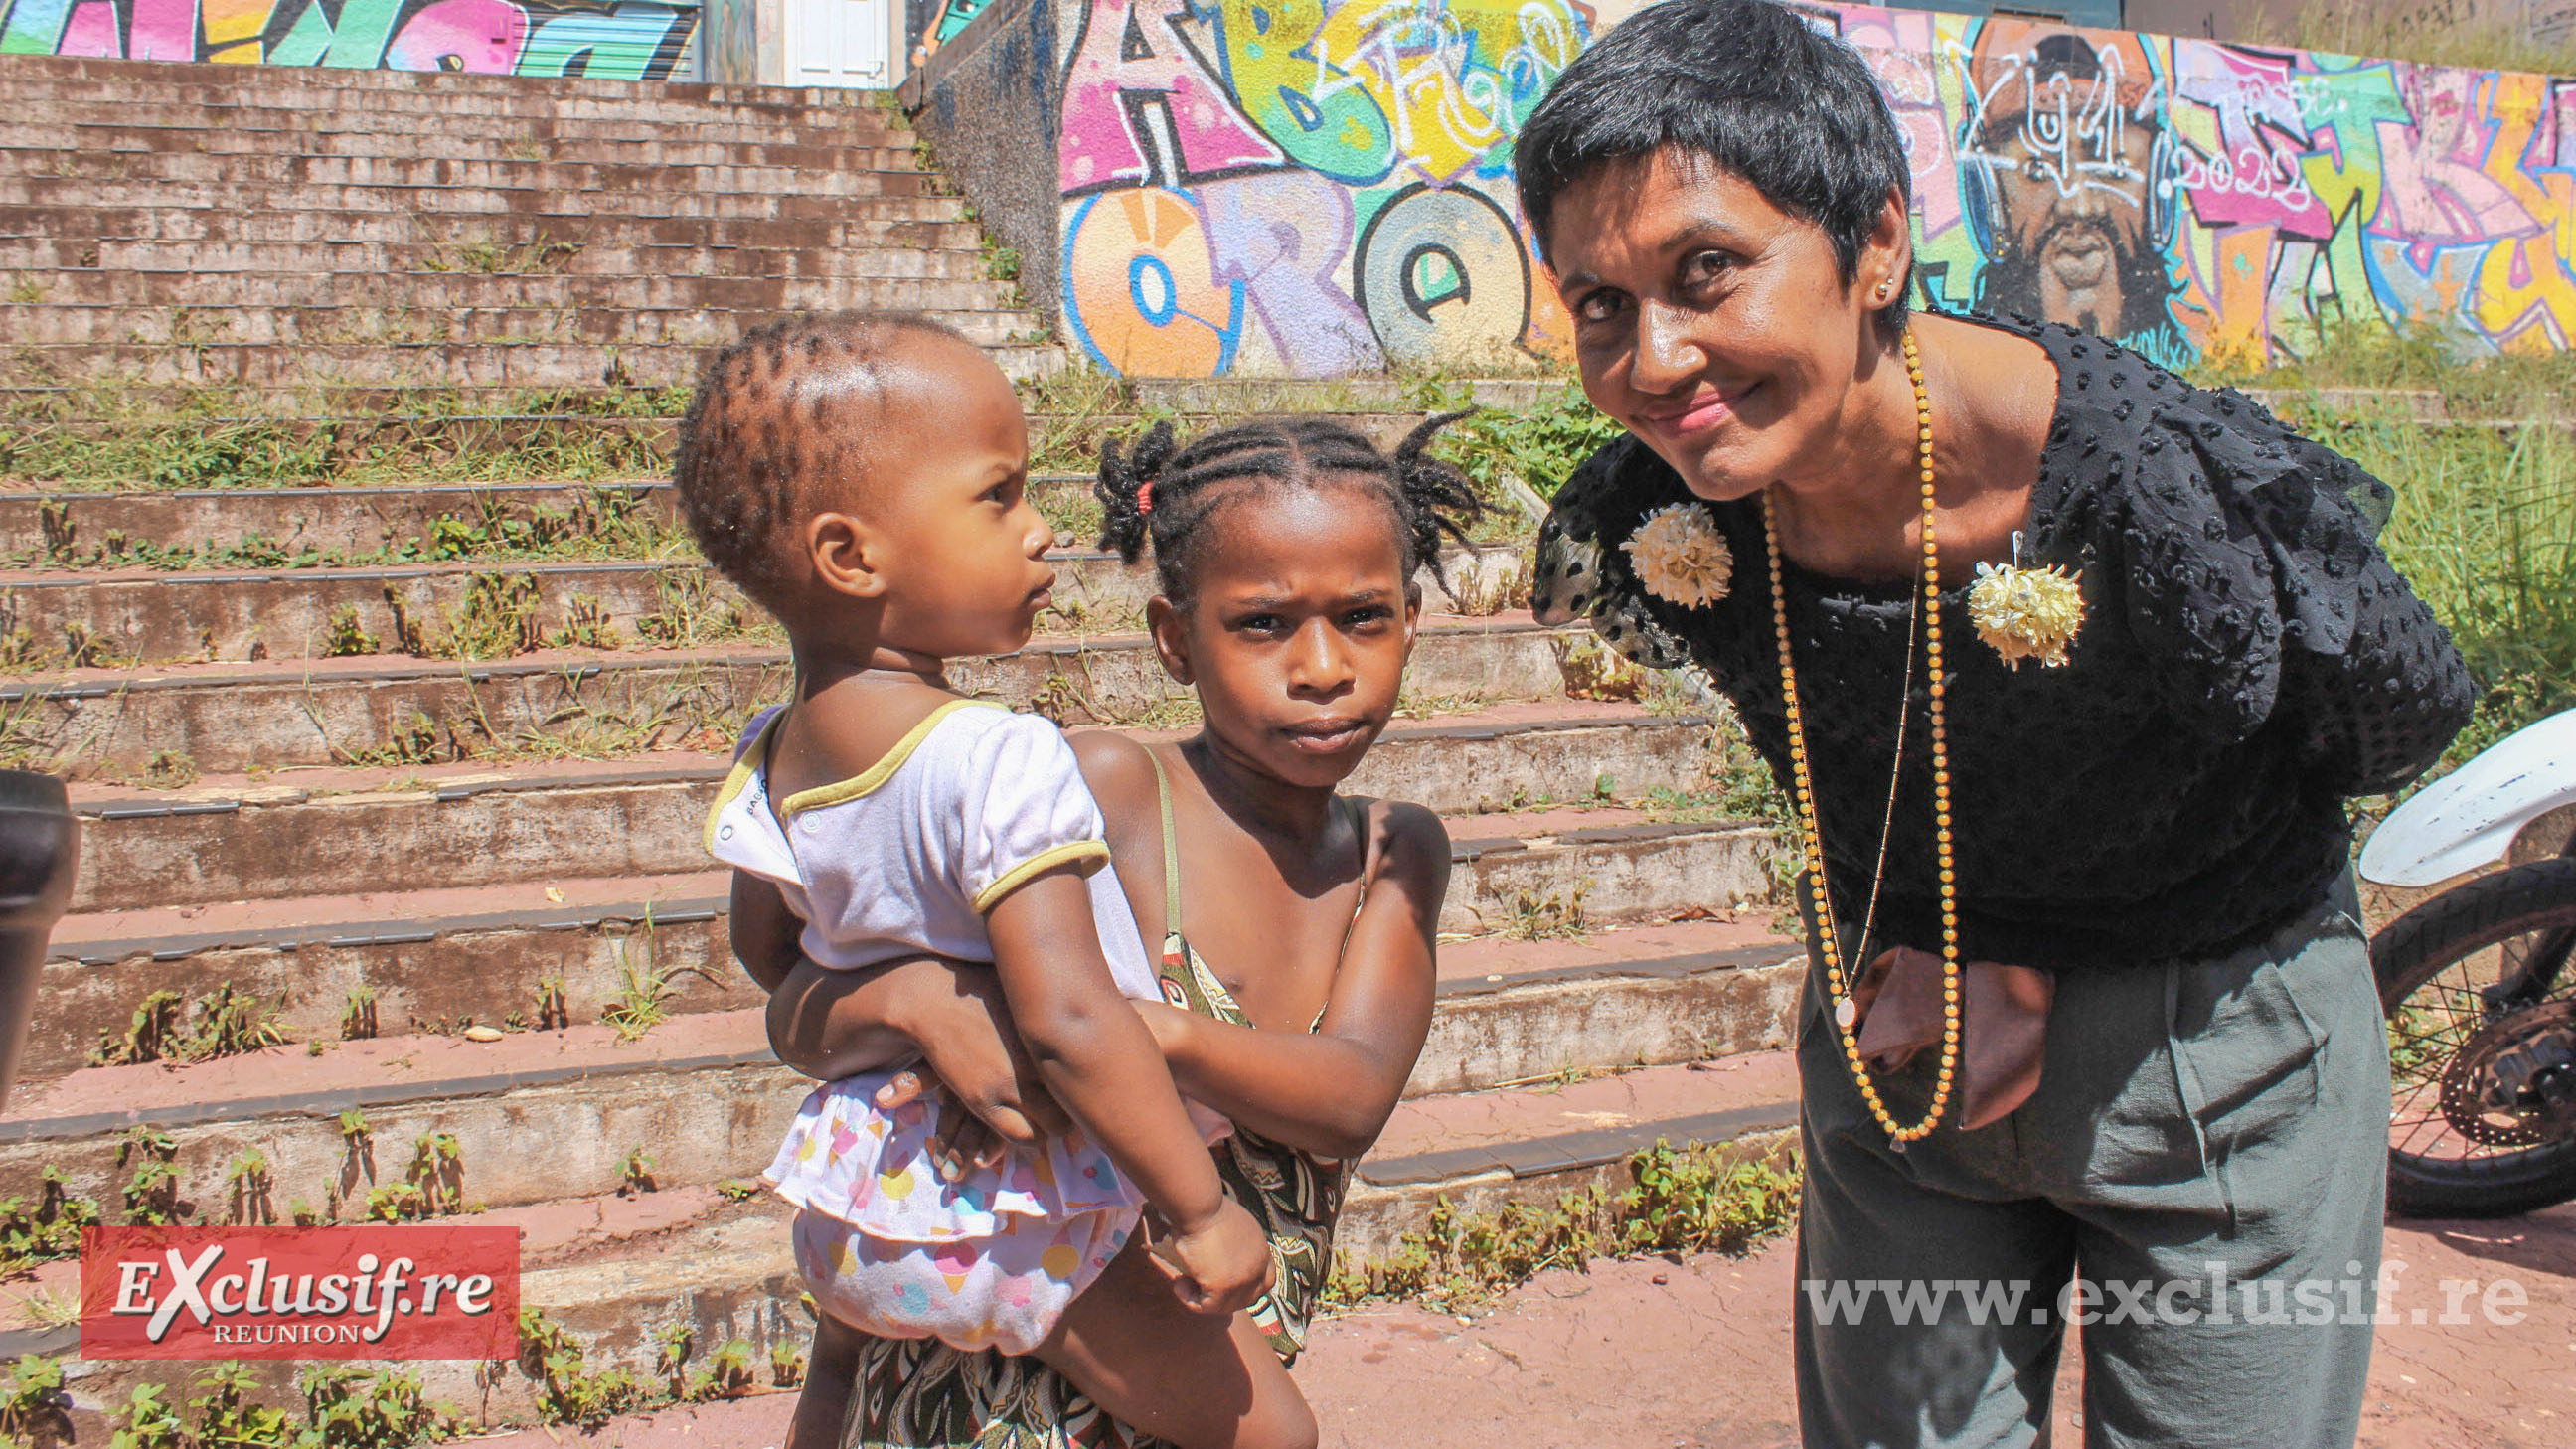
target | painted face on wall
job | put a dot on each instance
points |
(2064, 156)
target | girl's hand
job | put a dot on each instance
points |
(962, 1141)
(1174, 1027)
(970, 1049)
(834, 1024)
(1223, 1265)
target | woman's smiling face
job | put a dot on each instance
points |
(1715, 326)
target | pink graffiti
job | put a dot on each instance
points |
(1130, 48)
(2254, 176)
(2438, 192)
(1287, 239)
(92, 31)
(163, 30)
(1900, 45)
(2562, 107)
(484, 36)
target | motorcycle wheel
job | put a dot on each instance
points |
(2483, 1112)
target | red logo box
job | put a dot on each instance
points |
(300, 1293)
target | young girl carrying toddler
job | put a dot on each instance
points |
(880, 816)
(1298, 923)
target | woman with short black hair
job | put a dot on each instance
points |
(2067, 667)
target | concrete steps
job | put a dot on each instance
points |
(703, 1093)
(155, 270)
(488, 189)
(553, 364)
(78, 229)
(455, 950)
(618, 1271)
(351, 832)
(874, 196)
(145, 616)
(316, 298)
(389, 318)
(569, 703)
(62, 79)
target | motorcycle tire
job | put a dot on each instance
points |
(2409, 953)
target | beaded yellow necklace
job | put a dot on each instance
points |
(1846, 1013)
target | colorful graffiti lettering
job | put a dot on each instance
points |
(632, 40)
(1325, 185)
(1337, 176)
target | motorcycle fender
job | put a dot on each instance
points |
(2473, 816)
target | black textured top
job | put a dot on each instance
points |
(2248, 658)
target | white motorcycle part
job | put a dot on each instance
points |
(2472, 816)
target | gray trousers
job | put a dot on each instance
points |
(2205, 1162)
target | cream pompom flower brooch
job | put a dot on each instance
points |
(1679, 555)
(2026, 613)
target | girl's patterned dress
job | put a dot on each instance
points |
(922, 1394)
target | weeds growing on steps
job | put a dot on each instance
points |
(1680, 1200)
(344, 1408)
(223, 1022)
(45, 1230)
(1529, 916)
(542, 256)
(247, 1179)
(433, 1186)
(33, 1407)
(604, 523)
(152, 1194)
(567, 1391)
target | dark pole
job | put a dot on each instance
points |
(39, 851)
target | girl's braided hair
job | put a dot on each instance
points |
(783, 404)
(1159, 494)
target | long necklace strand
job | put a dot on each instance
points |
(1846, 1011)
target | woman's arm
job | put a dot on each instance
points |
(1331, 1092)
(2381, 712)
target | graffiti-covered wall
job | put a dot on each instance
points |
(625, 40)
(1310, 187)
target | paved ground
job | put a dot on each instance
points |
(1695, 1355)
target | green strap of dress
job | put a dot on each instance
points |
(1171, 848)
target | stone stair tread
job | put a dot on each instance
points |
(456, 779)
(293, 1079)
(1528, 1135)
(424, 914)
(366, 669)
(289, 1080)
(1528, 1132)
(1546, 1129)
(447, 568)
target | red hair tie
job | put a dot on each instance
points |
(1145, 500)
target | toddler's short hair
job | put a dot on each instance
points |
(764, 425)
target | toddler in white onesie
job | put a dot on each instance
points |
(900, 861)
(864, 479)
